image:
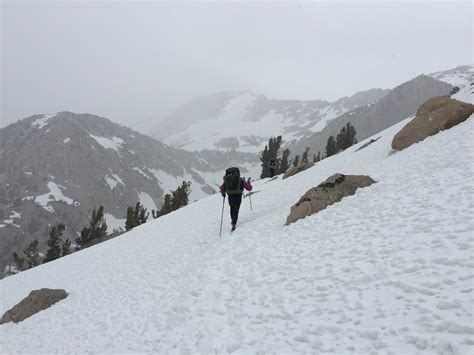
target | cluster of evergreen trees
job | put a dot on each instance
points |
(58, 247)
(176, 199)
(344, 139)
(283, 162)
(96, 231)
(136, 216)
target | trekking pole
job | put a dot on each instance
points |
(222, 216)
(250, 197)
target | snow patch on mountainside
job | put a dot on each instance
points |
(42, 122)
(113, 143)
(114, 223)
(112, 180)
(327, 114)
(141, 172)
(54, 195)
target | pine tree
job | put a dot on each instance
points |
(271, 151)
(181, 196)
(350, 138)
(304, 158)
(177, 199)
(54, 251)
(331, 148)
(285, 163)
(97, 228)
(66, 249)
(142, 214)
(20, 262)
(136, 216)
(346, 137)
(166, 207)
(296, 160)
(32, 254)
(131, 221)
(265, 159)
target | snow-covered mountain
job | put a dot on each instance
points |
(402, 101)
(56, 168)
(388, 270)
(244, 121)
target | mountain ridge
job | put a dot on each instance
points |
(56, 168)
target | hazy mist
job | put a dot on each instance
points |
(136, 61)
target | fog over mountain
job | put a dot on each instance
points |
(137, 61)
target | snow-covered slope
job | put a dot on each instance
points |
(387, 270)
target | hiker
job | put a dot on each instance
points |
(272, 167)
(234, 186)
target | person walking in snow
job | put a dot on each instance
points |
(234, 186)
(272, 167)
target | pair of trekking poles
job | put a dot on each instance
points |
(223, 204)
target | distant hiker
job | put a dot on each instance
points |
(234, 186)
(272, 167)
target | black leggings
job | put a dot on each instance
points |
(234, 203)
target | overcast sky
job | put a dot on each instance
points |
(133, 61)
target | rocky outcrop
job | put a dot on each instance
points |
(436, 114)
(297, 169)
(368, 143)
(35, 302)
(333, 190)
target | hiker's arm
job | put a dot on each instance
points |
(222, 190)
(247, 185)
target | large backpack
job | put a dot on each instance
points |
(232, 181)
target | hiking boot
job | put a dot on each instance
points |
(234, 226)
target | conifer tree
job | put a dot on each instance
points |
(166, 207)
(296, 160)
(346, 137)
(271, 151)
(181, 196)
(136, 216)
(97, 228)
(285, 163)
(54, 251)
(331, 148)
(265, 159)
(20, 262)
(66, 249)
(175, 200)
(316, 158)
(304, 158)
(32, 255)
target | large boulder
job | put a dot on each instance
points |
(35, 302)
(297, 169)
(436, 114)
(333, 190)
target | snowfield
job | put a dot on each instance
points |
(388, 270)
